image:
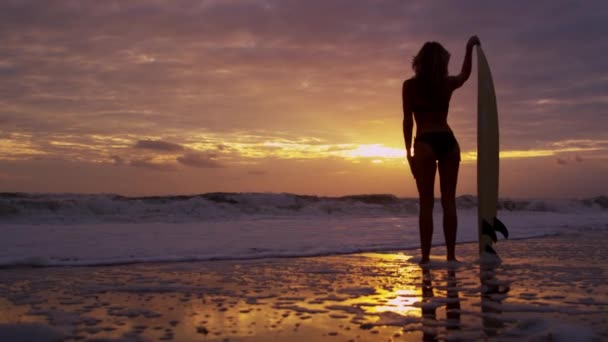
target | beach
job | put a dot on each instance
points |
(284, 267)
(548, 288)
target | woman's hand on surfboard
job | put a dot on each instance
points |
(474, 40)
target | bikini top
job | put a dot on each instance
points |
(429, 100)
(431, 107)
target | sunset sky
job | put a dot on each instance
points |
(184, 97)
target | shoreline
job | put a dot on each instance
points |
(382, 250)
(553, 288)
(109, 244)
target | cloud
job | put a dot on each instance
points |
(118, 160)
(256, 54)
(199, 160)
(158, 145)
(227, 76)
(564, 161)
(148, 163)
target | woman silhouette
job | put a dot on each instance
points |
(426, 99)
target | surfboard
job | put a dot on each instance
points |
(487, 158)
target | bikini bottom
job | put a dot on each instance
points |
(442, 143)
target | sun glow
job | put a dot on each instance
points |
(374, 151)
(244, 149)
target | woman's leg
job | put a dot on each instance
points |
(448, 178)
(425, 181)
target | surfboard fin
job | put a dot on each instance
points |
(501, 228)
(487, 229)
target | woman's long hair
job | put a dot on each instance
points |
(431, 64)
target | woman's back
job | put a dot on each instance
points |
(429, 101)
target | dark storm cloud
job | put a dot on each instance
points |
(158, 145)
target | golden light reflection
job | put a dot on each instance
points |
(401, 302)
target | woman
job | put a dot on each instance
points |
(426, 99)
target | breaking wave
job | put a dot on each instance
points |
(76, 208)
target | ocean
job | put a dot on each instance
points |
(106, 229)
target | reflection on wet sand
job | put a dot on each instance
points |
(453, 304)
(365, 297)
(492, 293)
(430, 303)
(429, 315)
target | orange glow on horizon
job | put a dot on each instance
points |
(101, 148)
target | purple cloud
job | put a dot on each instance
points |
(147, 163)
(199, 160)
(158, 145)
(118, 160)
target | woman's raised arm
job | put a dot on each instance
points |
(458, 81)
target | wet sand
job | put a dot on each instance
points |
(547, 288)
